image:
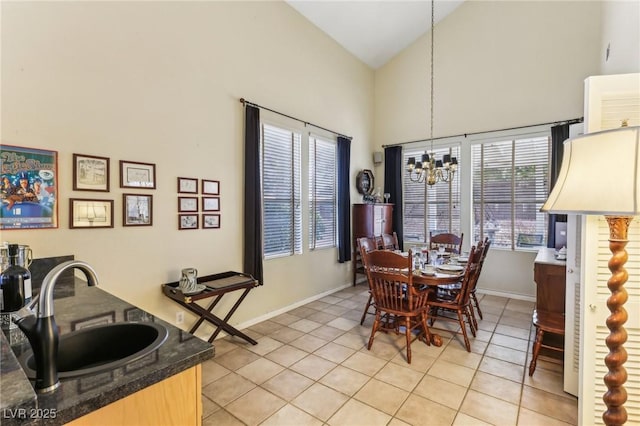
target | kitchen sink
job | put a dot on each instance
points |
(105, 347)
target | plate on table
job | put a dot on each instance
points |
(451, 268)
(428, 272)
(463, 259)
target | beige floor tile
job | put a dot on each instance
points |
(399, 376)
(357, 413)
(321, 317)
(397, 422)
(287, 385)
(383, 396)
(330, 300)
(265, 345)
(327, 333)
(506, 354)
(305, 325)
(353, 341)
(286, 334)
(420, 411)
(237, 358)
(351, 304)
(520, 305)
(440, 391)
(478, 346)
(227, 389)
(302, 312)
(557, 407)
(317, 304)
(335, 310)
(286, 355)
(291, 416)
(520, 333)
(223, 345)
(313, 367)
(285, 319)
(265, 327)
(502, 369)
(260, 370)
(334, 352)
(345, 380)
(255, 406)
(342, 324)
(221, 417)
(208, 407)
(420, 361)
(211, 371)
(547, 380)
(453, 373)
(497, 387)
(364, 363)
(483, 335)
(510, 342)
(384, 350)
(466, 420)
(460, 356)
(308, 343)
(320, 401)
(489, 409)
(531, 418)
(516, 322)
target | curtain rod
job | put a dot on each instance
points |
(572, 121)
(245, 102)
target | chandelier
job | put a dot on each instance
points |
(429, 170)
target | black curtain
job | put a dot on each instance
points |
(252, 195)
(344, 200)
(393, 185)
(559, 134)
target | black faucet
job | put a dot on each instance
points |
(42, 331)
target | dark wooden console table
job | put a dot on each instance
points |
(217, 285)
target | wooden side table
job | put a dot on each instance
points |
(217, 285)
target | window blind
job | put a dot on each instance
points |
(281, 180)
(322, 193)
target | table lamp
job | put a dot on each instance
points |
(583, 188)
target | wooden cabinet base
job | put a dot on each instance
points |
(176, 400)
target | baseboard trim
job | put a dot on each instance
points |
(507, 295)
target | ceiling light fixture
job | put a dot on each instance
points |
(430, 170)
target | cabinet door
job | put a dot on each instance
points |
(382, 219)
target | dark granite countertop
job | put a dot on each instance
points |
(83, 306)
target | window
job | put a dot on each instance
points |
(433, 208)
(281, 182)
(322, 193)
(510, 184)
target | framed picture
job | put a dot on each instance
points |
(28, 188)
(90, 173)
(106, 318)
(137, 210)
(210, 221)
(187, 204)
(85, 213)
(187, 185)
(210, 187)
(187, 221)
(210, 204)
(137, 175)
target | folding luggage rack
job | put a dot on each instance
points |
(216, 285)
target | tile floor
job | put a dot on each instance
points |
(311, 367)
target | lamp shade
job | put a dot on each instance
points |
(600, 174)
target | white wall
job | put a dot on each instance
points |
(497, 65)
(160, 82)
(621, 34)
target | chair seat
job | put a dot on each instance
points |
(553, 322)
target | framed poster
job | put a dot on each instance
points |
(210, 221)
(137, 210)
(28, 188)
(90, 213)
(187, 204)
(137, 175)
(210, 187)
(187, 185)
(187, 221)
(210, 204)
(90, 173)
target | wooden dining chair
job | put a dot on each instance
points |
(390, 241)
(443, 305)
(366, 245)
(391, 279)
(550, 322)
(474, 298)
(451, 242)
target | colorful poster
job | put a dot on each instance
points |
(28, 188)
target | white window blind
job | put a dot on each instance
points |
(510, 184)
(281, 173)
(322, 193)
(430, 208)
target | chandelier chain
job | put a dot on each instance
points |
(431, 77)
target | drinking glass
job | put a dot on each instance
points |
(386, 197)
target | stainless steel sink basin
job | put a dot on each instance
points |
(100, 348)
